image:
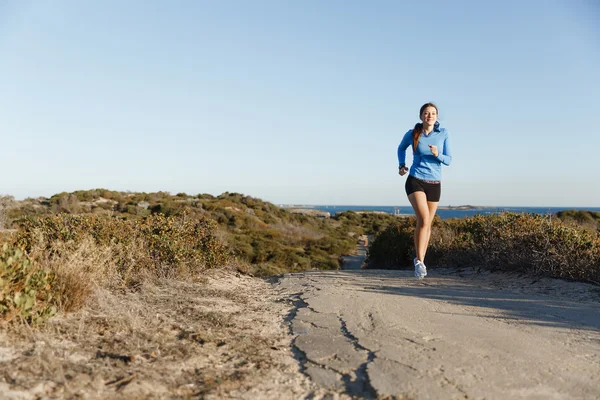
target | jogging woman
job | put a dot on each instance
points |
(431, 149)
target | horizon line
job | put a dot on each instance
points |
(449, 205)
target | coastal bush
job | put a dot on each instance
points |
(26, 289)
(393, 247)
(6, 202)
(364, 223)
(257, 232)
(157, 245)
(586, 219)
(6, 236)
(261, 233)
(65, 203)
(530, 243)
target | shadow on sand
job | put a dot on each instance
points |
(538, 308)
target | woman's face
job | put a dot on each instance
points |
(429, 115)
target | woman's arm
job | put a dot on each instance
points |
(406, 141)
(445, 156)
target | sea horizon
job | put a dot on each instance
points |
(288, 205)
(444, 212)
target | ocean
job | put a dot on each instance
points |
(447, 213)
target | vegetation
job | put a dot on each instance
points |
(586, 219)
(166, 246)
(60, 248)
(269, 239)
(119, 240)
(56, 261)
(530, 243)
(26, 290)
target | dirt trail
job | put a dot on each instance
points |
(355, 261)
(452, 335)
(317, 335)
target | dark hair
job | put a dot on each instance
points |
(419, 126)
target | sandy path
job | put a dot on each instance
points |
(355, 261)
(355, 333)
(469, 336)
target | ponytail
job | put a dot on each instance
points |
(416, 133)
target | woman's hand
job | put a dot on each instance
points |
(402, 171)
(434, 150)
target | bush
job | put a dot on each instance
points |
(586, 219)
(5, 203)
(528, 243)
(394, 247)
(258, 232)
(25, 288)
(157, 245)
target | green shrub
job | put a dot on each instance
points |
(170, 246)
(586, 219)
(257, 231)
(183, 241)
(394, 247)
(530, 243)
(25, 288)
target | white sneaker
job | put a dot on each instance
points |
(420, 269)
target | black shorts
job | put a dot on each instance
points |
(433, 191)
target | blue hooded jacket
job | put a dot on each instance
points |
(425, 165)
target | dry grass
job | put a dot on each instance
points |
(169, 339)
(82, 267)
(81, 253)
(6, 202)
(79, 270)
(6, 235)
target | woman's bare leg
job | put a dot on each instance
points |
(418, 200)
(432, 209)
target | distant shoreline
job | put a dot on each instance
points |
(465, 207)
(444, 212)
(309, 207)
(448, 207)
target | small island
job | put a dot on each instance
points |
(463, 207)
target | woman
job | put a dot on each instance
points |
(431, 149)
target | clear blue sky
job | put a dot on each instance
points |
(300, 101)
